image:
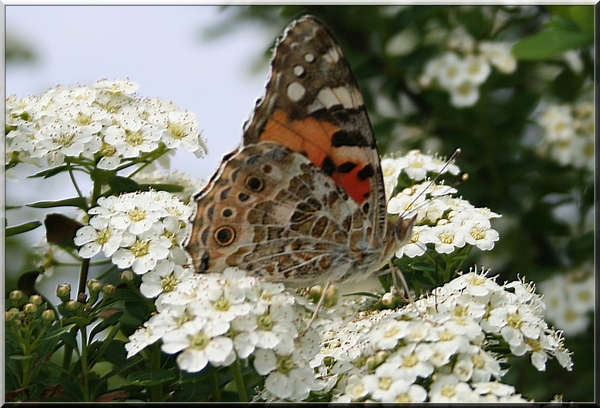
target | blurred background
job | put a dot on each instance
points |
(512, 86)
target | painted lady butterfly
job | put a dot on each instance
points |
(302, 201)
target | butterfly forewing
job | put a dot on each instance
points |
(313, 106)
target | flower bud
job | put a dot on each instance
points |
(15, 297)
(82, 298)
(11, 314)
(30, 308)
(381, 356)
(331, 296)
(48, 316)
(63, 292)
(94, 285)
(109, 289)
(388, 300)
(73, 305)
(127, 276)
(314, 293)
(36, 299)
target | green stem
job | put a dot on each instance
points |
(84, 365)
(216, 389)
(83, 273)
(72, 176)
(156, 391)
(68, 353)
(239, 381)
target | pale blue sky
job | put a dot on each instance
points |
(159, 47)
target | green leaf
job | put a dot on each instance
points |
(148, 378)
(50, 172)
(138, 309)
(69, 339)
(109, 321)
(548, 44)
(115, 352)
(21, 228)
(120, 184)
(126, 294)
(79, 202)
(583, 16)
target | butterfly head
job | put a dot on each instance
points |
(399, 233)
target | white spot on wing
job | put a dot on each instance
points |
(298, 70)
(309, 57)
(315, 106)
(332, 56)
(295, 91)
(327, 98)
(344, 96)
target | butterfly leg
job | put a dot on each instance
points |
(395, 273)
(319, 306)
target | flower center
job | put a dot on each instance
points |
(137, 215)
(265, 322)
(199, 341)
(285, 364)
(140, 248)
(134, 138)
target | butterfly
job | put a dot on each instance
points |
(302, 200)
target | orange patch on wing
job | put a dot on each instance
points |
(313, 137)
(358, 189)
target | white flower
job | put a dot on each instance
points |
(124, 86)
(449, 388)
(201, 342)
(164, 277)
(480, 234)
(289, 375)
(132, 137)
(386, 334)
(464, 94)
(99, 235)
(452, 71)
(386, 384)
(445, 238)
(412, 361)
(136, 213)
(410, 393)
(477, 68)
(499, 55)
(414, 247)
(391, 168)
(142, 254)
(416, 165)
(181, 129)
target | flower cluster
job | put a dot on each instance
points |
(444, 221)
(218, 318)
(466, 66)
(142, 231)
(106, 123)
(438, 349)
(569, 134)
(570, 300)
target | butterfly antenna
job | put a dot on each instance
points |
(451, 160)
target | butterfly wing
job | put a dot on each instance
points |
(313, 106)
(272, 212)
